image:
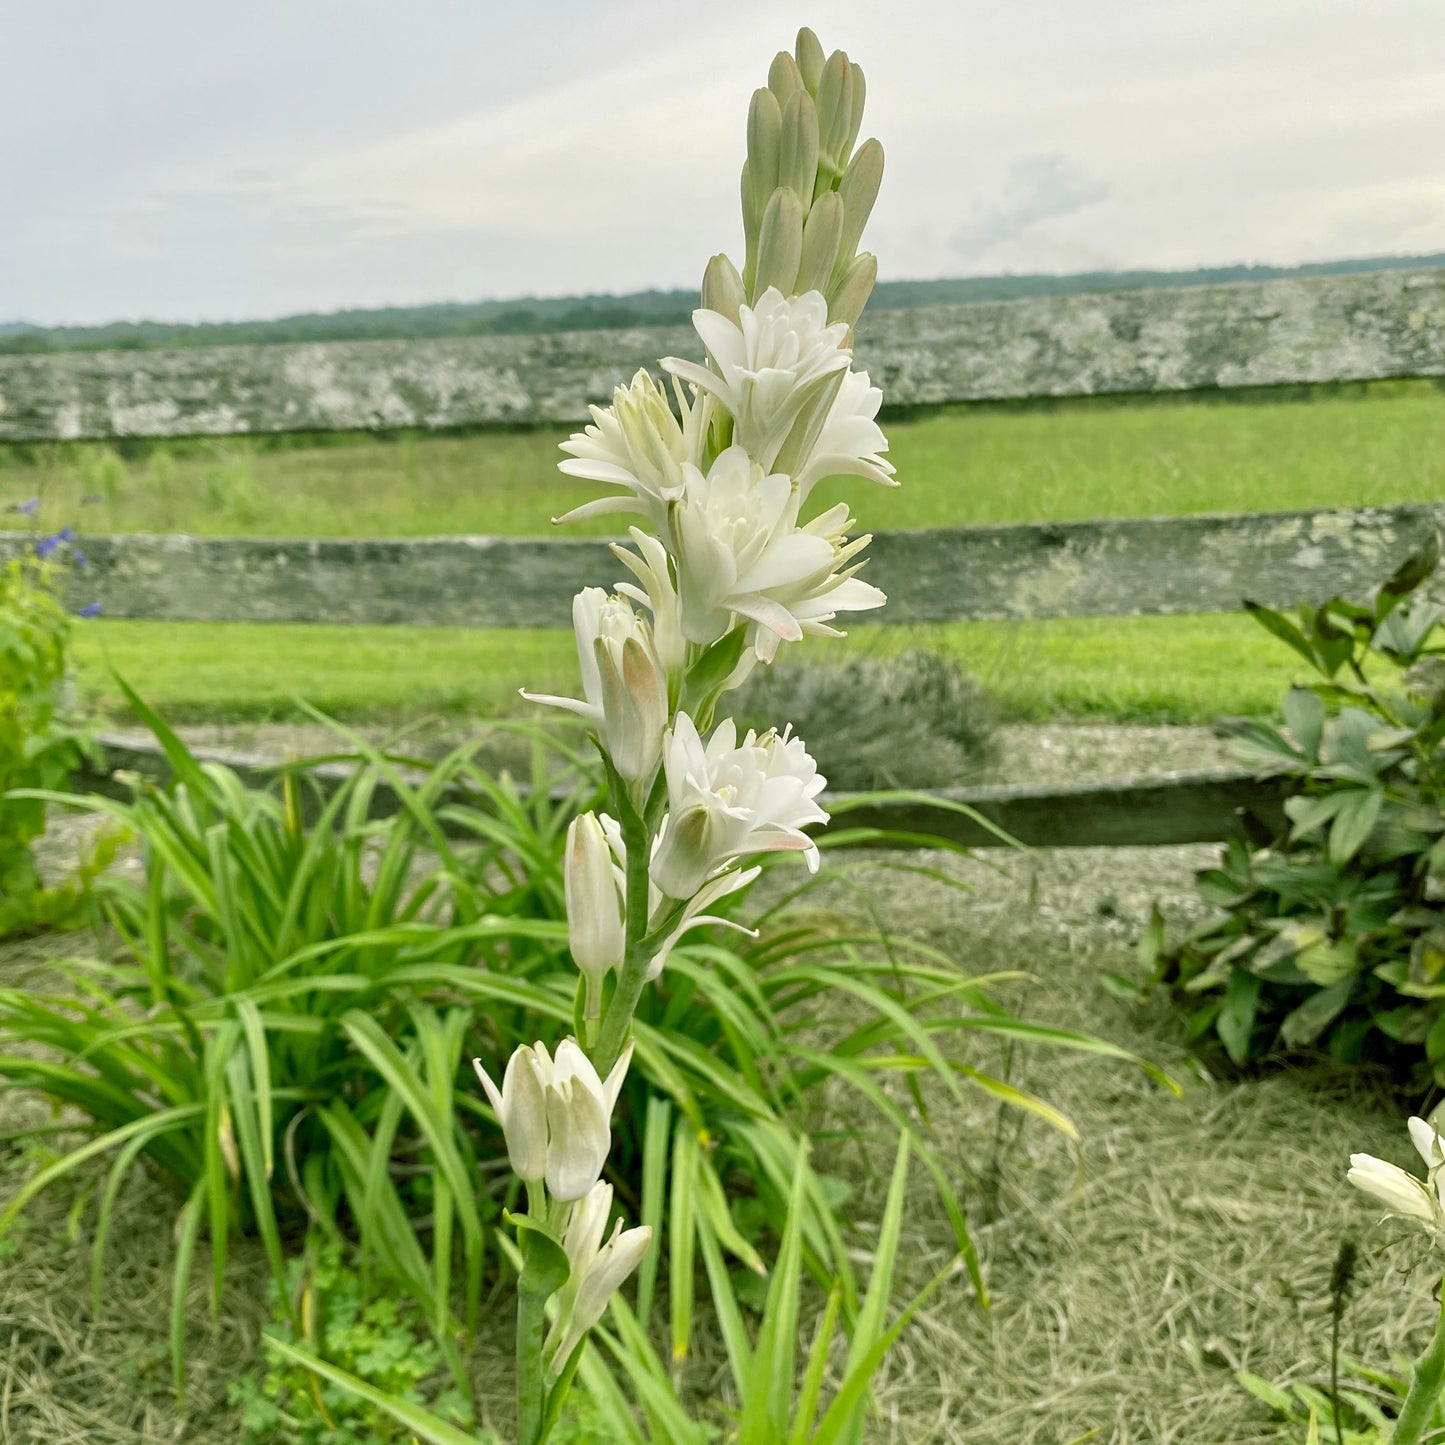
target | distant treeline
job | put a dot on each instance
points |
(590, 313)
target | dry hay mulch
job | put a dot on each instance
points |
(1181, 1241)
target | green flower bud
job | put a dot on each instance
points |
(722, 288)
(784, 77)
(822, 232)
(850, 295)
(835, 108)
(798, 156)
(858, 190)
(809, 52)
(780, 243)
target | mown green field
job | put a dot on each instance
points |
(1352, 446)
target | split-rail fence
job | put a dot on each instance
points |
(1319, 329)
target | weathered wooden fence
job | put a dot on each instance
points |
(1338, 328)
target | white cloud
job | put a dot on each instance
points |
(455, 150)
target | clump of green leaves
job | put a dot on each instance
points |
(380, 1340)
(1369, 1402)
(40, 742)
(1330, 930)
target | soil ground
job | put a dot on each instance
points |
(1181, 1240)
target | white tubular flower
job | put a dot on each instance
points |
(521, 1109)
(740, 552)
(767, 366)
(850, 441)
(624, 683)
(567, 1142)
(727, 799)
(1400, 1192)
(813, 601)
(692, 915)
(658, 593)
(596, 927)
(596, 1271)
(1428, 1145)
(636, 443)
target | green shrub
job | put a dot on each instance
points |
(1331, 932)
(912, 721)
(40, 742)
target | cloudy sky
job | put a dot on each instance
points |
(187, 159)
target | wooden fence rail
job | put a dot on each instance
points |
(1255, 333)
(1115, 568)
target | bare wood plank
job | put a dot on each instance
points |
(1112, 568)
(1161, 811)
(1325, 328)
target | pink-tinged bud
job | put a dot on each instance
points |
(596, 928)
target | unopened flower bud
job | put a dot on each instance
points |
(798, 156)
(722, 288)
(596, 928)
(822, 232)
(857, 191)
(780, 244)
(850, 295)
(809, 54)
(835, 108)
(784, 77)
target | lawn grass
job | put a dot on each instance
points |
(1342, 446)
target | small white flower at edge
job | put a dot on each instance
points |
(593, 885)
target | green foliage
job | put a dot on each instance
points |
(912, 721)
(1369, 1399)
(380, 1340)
(40, 742)
(781, 1395)
(1331, 932)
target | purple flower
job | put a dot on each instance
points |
(66, 533)
(46, 545)
(28, 508)
(79, 558)
(91, 609)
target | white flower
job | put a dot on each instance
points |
(567, 1139)
(728, 799)
(1400, 1192)
(636, 443)
(812, 601)
(624, 683)
(692, 915)
(1428, 1145)
(739, 551)
(521, 1109)
(658, 593)
(850, 440)
(595, 1270)
(767, 366)
(596, 926)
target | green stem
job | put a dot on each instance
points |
(617, 1020)
(531, 1395)
(1425, 1387)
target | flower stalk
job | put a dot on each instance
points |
(727, 565)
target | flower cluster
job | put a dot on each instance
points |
(717, 464)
